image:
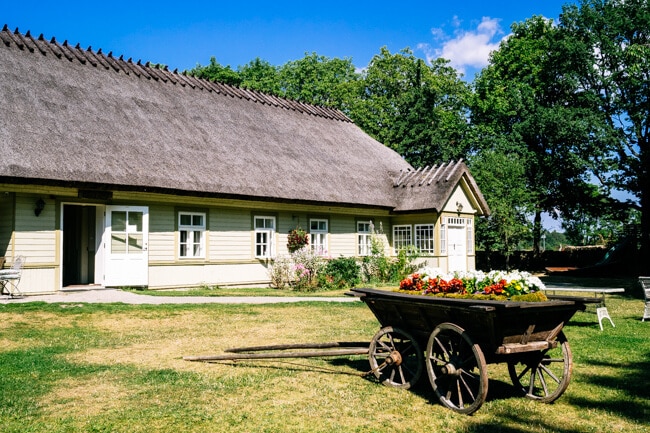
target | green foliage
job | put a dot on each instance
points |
(567, 104)
(417, 109)
(340, 272)
(317, 80)
(299, 271)
(526, 107)
(214, 71)
(306, 268)
(500, 173)
(297, 239)
(612, 64)
(377, 267)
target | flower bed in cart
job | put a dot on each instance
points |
(493, 285)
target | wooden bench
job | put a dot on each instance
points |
(598, 292)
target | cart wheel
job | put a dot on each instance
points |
(543, 375)
(457, 369)
(395, 358)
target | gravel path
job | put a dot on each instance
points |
(99, 296)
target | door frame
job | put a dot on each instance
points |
(98, 277)
(457, 226)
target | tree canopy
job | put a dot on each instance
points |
(556, 123)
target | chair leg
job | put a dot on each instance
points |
(603, 314)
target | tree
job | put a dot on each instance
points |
(418, 110)
(317, 80)
(612, 64)
(499, 172)
(214, 71)
(525, 97)
(260, 75)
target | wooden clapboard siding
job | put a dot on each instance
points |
(35, 236)
(162, 229)
(230, 234)
(343, 238)
(6, 224)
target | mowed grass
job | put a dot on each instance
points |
(216, 291)
(119, 368)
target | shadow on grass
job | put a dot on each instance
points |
(631, 379)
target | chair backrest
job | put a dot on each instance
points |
(645, 285)
(19, 261)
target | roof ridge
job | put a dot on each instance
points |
(147, 71)
(425, 176)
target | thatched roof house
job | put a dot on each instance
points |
(78, 120)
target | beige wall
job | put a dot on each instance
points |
(6, 224)
(229, 243)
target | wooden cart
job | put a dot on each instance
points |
(455, 340)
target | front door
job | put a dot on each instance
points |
(126, 245)
(457, 254)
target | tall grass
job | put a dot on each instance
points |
(119, 368)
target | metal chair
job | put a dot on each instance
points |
(645, 285)
(10, 278)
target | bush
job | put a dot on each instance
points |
(306, 268)
(339, 273)
(281, 272)
(299, 271)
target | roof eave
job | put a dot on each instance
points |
(91, 186)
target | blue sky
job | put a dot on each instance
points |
(184, 34)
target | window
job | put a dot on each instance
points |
(191, 229)
(364, 231)
(402, 237)
(424, 238)
(126, 232)
(264, 237)
(318, 236)
(470, 236)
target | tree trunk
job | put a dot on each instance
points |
(537, 233)
(644, 182)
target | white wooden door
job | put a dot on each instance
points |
(457, 254)
(126, 246)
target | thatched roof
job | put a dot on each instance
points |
(80, 117)
(429, 188)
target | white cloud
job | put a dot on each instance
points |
(467, 48)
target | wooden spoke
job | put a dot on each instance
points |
(543, 375)
(456, 368)
(395, 358)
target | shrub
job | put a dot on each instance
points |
(306, 267)
(281, 272)
(340, 272)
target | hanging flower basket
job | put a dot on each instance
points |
(297, 239)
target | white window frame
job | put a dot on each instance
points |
(402, 237)
(425, 245)
(470, 235)
(264, 236)
(318, 235)
(364, 242)
(443, 239)
(192, 230)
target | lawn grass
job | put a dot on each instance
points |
(119, 368)
(239, 291)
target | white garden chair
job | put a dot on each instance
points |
(645, 285)
(10, 278)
